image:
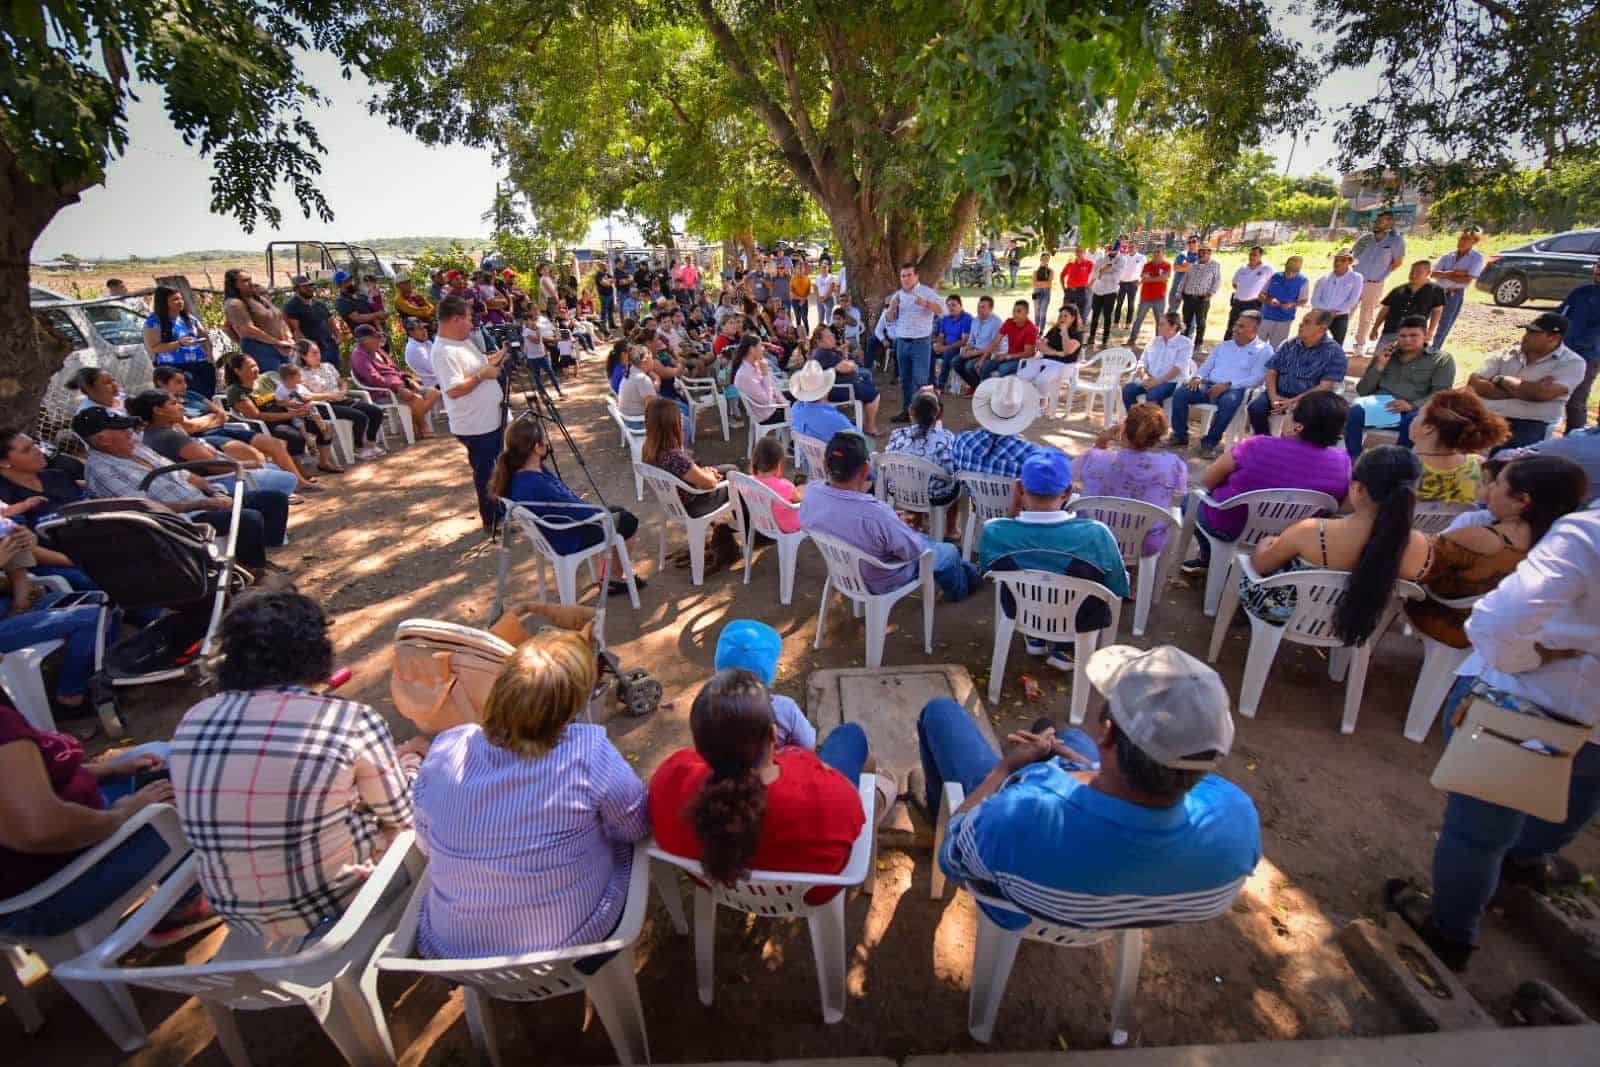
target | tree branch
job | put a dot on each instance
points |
(938, 254)
(777, 120)
(784, 54)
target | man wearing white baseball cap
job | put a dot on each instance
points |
(1133, 813)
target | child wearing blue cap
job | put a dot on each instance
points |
(755, 647)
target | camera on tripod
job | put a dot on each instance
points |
(506, 336)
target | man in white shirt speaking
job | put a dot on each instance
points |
(912, 309)
(472, 399)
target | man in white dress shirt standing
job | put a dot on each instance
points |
(1338, 294)
(1249, 284)
(912, 309)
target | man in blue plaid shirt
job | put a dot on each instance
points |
(1309, 360)
(1004, 407)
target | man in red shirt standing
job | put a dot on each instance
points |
(1018, 338)
(1152, 290)
(1075, 278)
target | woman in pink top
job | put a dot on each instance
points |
(1134, 471)
(766, 466)
(1307, 458)
(754, 381)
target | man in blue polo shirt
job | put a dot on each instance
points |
(1180, 266)
(1309, 360)
(1125, 828)
(950, 334)
(1287, 292)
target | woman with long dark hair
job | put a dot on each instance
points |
(519, 475)
(1375, 543)
(738, 802)
(1523, 498)
(253, 402)
(664, 448)
(175, 338)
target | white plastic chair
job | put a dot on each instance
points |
(1129, 521)
(329, 976)
(844, 577)
(1238, 427)
(109, 1006)
(665, 487)
(1317, 597)
(396, 416)
(1113, 365)
(1268, 512)
(704, 394)
(810, 455)
(1121, 918)
(632, 434)
(1431, 517)
(778, 895)
(538, 527)
(1069, 382)
(988, 496)
(1047, 610)
(1439, 663)
(613, 988)
(22, 677)
(762, 505)
(903, 481)
(759, 429)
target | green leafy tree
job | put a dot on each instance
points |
(1302, 209)
(231, 86)
(1556, 197)
(1475, 87)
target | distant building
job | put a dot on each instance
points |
(1365, 193)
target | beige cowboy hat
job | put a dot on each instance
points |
(1005, 405)
(811, 382)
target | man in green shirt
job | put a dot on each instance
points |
(1399, 380)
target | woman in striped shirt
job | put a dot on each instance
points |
(528, 818)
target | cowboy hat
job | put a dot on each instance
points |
(811, 382)
(1004, 405)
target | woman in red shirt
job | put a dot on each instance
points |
(737, 802)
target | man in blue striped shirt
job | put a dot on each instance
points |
(1309, 360)
(1125, 828)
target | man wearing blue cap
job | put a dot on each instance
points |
(755, 647)
(1042, 537)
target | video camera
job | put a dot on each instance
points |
(504, 335)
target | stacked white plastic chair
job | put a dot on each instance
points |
(1045, 608)
(329, 976)
(1268, 512)
(844, 577)
(612, 987)
(762, 506)
(704, 394)
(632, 433)
(810, 456)
(905, 481)
(666, 488)
(777, 895)
(1130, 521)
(1099, 919)
(1317, 594)
(110, 1006)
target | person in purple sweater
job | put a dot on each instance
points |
(1308, 456)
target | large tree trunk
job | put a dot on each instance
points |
(32, 354)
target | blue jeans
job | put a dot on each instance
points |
(77, 626)
(1477, 836)
(1013, 269)
(92, 892)
(268, 478)
(1453, 299)
(914, 356)
(1227, 405)
(202, 377)
(267, 357)
(955, 577)
(1134, 390)
(845, 750)
(482, 450)
(1356, 424)
(1041, 309)
(1000, 368)
(1261, 411)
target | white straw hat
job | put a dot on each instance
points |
(811, 382)
(1005, 405)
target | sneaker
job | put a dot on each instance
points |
(1194, 566)
(1177, 442)
(1036, 647)
(1060, 658)
(370, 453)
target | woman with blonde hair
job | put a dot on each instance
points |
(528, 817)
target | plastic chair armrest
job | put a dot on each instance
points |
(1247, 568)
(103, 957)
(365, 902)
(856, 867)
(163, 818)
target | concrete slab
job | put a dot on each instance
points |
(1403, 972)
(886, 701)
(1552, 1046)
(1567, 925)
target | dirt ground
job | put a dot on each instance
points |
(398, 539)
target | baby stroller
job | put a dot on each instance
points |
(143, 556)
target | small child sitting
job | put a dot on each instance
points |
(766, 467)
(17, 576)
(288, 393)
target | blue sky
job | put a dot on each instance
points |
(379, 181)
